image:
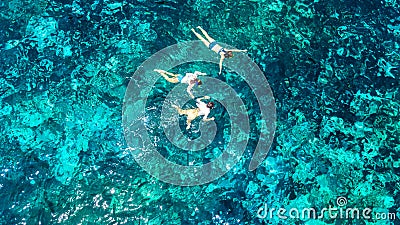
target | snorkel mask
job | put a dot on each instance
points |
(198, 82)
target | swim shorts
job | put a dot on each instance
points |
(212, 44)
(180, 77)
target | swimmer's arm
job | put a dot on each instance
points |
(189, 90)
(220, 64)
(205, 119)
(199, 99)
(236, 50)
(208, 119)
(200, 73)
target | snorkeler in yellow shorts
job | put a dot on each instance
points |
(202, 109)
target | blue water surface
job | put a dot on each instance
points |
(333, 67)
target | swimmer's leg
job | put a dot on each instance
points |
(171, 74)
(173, 80)
(164, 73)
(180, 111)
(191, 115)
(188, 124)
(159, 71)
(201, 38)
(210, 39)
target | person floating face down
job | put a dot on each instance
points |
(203, 109)
(190, 79)
(214, 46)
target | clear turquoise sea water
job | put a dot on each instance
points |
(65, 65)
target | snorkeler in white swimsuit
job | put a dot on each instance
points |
(190, 79)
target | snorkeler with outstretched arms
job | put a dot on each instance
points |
(214, 46)
(190, 79)
(202, 109)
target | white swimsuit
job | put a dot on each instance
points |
(188, 77)
(204, 110)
